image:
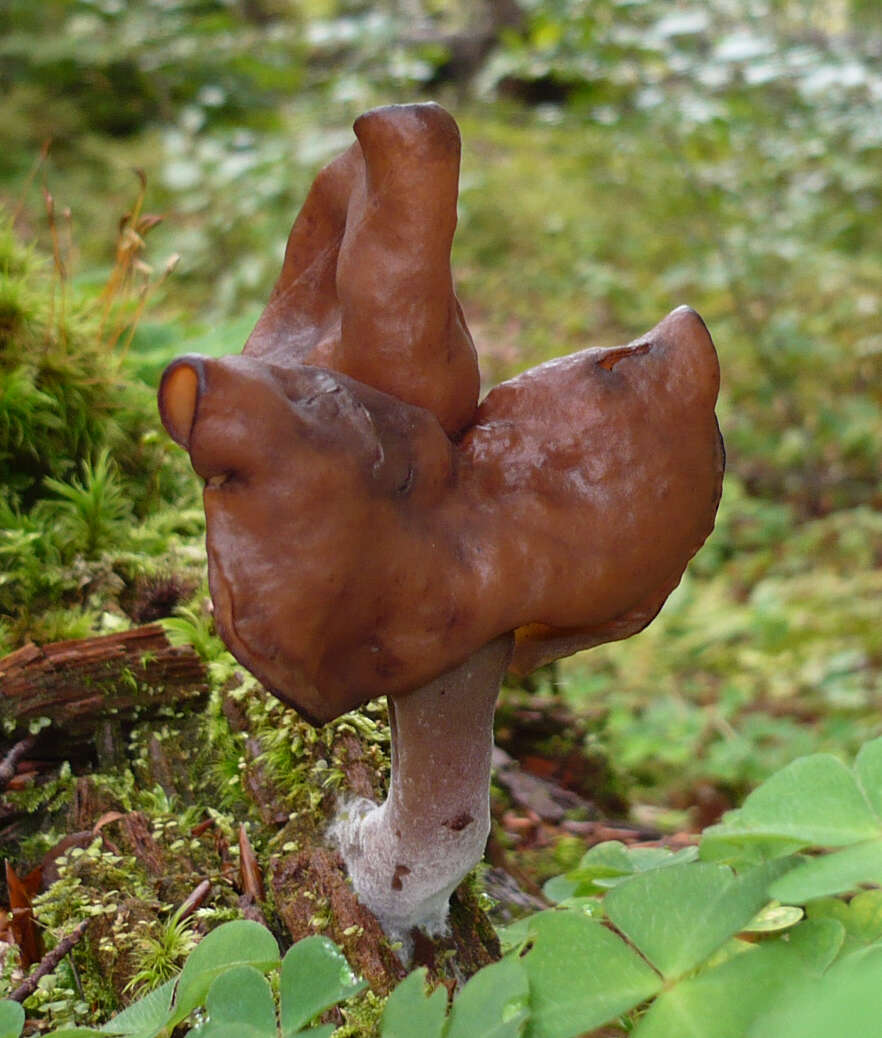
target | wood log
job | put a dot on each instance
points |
(312, 895)
(311, 890)
(83, 685)
(126, 676)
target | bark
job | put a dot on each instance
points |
(77, 684)
(313, 896)
(88, 804)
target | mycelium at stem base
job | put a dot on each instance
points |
(407, 855)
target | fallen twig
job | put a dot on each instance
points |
(195, 900)
(249, 868)
(10, 762)
(49, 962)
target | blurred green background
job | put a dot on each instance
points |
(620, 157)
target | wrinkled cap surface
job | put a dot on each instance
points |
(366, 287)
(368, 525)
(355, 549)
(653, 477)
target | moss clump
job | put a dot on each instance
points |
(362, 1016)
(300, 767)
(88, 486)
(115, 894)
(58, 385)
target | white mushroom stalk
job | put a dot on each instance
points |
(407, 855)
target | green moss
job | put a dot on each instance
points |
(362, 1015)
(47, 797)
(304, 766)
(15, 309)
(16, 260)
(111, 891)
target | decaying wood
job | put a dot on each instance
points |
(313, 895)
(310, 888)
(96, 686)
(89, 803)
(472, 940)
(139, 841)
(76, 683)
(110, 747)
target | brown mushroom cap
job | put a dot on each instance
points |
(366, 287)
(355, 551)
(666, 469)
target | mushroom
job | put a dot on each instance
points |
(367, 268)
(356, 548)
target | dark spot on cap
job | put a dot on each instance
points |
(458, 823)
(404, 487)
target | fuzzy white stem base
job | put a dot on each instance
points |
(407, 855)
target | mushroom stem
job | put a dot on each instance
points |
(407, 855)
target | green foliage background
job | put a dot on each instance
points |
(620, 158)
(646, 940)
